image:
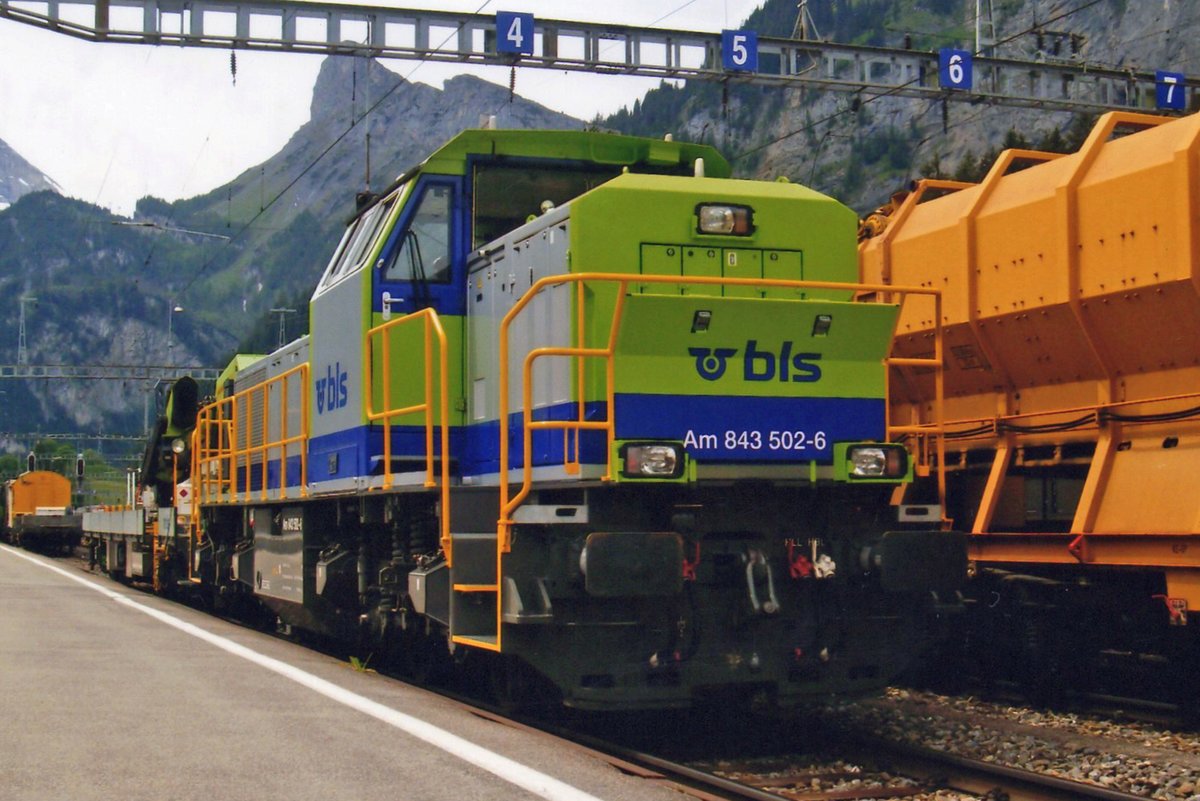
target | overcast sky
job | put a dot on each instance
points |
(111, 123)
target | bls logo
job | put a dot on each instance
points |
(332, 392)
(759, 365)
(710, 364)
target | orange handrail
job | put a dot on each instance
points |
(509, 503)
(431, 324)
(983, 428)
(215, 463)
(234, 445)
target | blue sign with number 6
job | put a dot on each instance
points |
(1168, 89)
(739, 50)
(514, 33)
(955, 68)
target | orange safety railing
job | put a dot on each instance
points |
(431, 330)
(233, 434)
(222, 442)
(923, 433)
(509, 503)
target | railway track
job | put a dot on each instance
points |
(845, 767)
(890, 772)
(853, 770)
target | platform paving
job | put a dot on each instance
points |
(107, 693)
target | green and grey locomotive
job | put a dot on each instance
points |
(588, 411)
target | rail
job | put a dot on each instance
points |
(224, 441)
(431, 329)
(1087, 418)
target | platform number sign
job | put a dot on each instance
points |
(955, 68)
(514, 33)
(739, 50)
(1168, 89)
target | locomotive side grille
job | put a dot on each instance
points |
(249, 432)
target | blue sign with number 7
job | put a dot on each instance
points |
(1168, 89)
(514, 33)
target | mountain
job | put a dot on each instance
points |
(92, 288)
(280, 248)
(18, 177)
(106, 286)
(861, 151)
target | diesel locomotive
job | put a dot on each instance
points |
(584, 410)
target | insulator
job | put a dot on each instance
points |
(512, 83)
(233, 65)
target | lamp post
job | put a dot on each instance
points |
(172, 310)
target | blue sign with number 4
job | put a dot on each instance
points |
(955, 68)
(739, 50)
(514, 33)
(1168, 89)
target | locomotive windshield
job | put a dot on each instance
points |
(424, 255)
(355, 243)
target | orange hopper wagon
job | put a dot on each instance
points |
(1071, 312)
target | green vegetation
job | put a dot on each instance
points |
(739, 118)
(973, 168)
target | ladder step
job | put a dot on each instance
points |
(476, 587)
(486, 641)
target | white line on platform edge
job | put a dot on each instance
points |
(509, 770)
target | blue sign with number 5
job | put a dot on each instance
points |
(514, 33)
(739, 50)
(1168, 89)
(955, 68)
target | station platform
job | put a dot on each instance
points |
(107, 692)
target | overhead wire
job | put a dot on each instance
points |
(404, 79)
(605, 48)
(893, 91)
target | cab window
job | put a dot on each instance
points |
(506, 196)
(357, 242)
(336, 262)
(424, 254)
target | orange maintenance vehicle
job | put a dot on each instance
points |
(1071, 428)
(38, 511)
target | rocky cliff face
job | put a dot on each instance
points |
(860, 152)
(105, 288)
(362, 113)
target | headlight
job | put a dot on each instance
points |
(655, 460)
(178, 446)
(724, 219)
(877, 461)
